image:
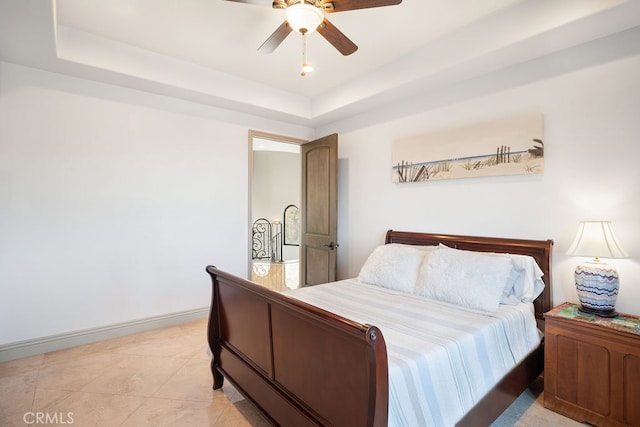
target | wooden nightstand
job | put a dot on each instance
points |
(592, 366)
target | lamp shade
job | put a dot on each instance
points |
(596, 239)
(304, 18)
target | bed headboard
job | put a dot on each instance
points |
(540, 250)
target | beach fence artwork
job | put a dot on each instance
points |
(507, 146)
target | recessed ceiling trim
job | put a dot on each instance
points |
(94, 51)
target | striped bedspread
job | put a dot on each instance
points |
(442, 358)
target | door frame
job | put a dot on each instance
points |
(273, 137)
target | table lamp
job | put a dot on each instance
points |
(597, 282)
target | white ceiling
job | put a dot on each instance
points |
(206, 50)
(225, 35)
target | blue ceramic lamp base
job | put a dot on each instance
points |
(597, 285)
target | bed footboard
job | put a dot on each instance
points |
(298, 364)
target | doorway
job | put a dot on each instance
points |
(275, 190)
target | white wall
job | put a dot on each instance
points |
(113, 201)
(592, 171)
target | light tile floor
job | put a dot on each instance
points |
(155, 378)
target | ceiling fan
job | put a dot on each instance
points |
(306, 16)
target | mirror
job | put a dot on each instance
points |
(292, 225)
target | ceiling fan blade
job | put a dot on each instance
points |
(276, 38)
(336, 38)
(342, 5)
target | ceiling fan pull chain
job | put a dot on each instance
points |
(306, 68)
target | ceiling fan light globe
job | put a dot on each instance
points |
(307, 68)
(304, 18)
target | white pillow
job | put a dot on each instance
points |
(392, 266)
(515, 276)
(528, 283)
(525, 282)
(466, 278)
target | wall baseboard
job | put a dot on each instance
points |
(32, 347)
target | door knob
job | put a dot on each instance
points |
(332, 245)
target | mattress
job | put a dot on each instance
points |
(442, 358)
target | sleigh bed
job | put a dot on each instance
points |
(304, 365)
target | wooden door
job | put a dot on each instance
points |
(318, 245)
